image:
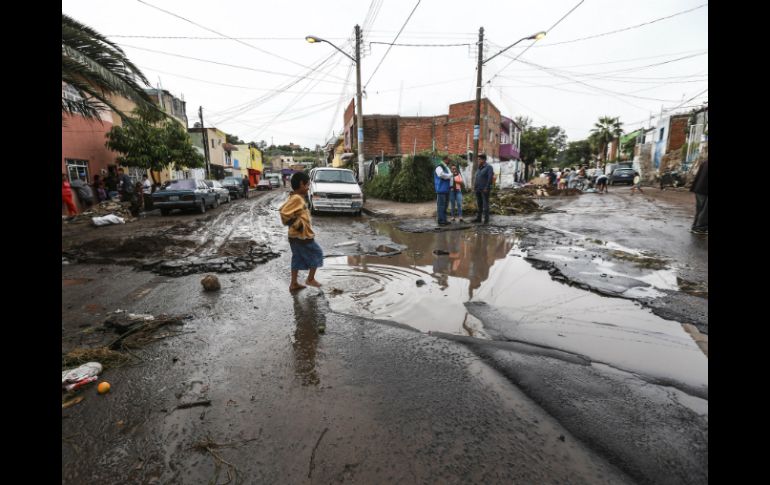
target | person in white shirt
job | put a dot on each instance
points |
(147, 192)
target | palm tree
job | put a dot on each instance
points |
(605, 131)
(96, 68)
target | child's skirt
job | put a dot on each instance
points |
(305, 255)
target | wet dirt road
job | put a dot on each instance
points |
(369, 401)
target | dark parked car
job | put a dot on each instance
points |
(222, 192)
(622, 176)
(185, 194)
(234, 185)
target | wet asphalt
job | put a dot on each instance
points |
(368, 401)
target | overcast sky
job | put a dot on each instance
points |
(560, 80)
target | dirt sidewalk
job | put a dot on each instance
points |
(389, 208)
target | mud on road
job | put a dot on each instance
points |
(523, 399)
(219, 242)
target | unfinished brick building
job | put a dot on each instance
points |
(392, 135)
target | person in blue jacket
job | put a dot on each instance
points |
(441, 180)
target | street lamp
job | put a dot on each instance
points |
(477, 121)
(359, 111)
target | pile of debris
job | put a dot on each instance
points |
(108, 207)
(247, 259)
(133, 331)
(504, 202)
(139, 329)
(546, 191)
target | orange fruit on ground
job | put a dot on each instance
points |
(103, 387)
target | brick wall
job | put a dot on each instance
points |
(381, 134)
(416, 131)
(395, 135)
(677, 133)
(460, 128)
(441, 132)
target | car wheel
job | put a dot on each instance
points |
(165, 212)
(228, 198)
(202, 207)
(312, 209)
(216, 203)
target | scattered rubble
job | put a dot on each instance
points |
(171, 256)
(108, 207)
(108, 358)
(546, 191)
(211, 283)
(139, 329)
(505, 202)
(257, 254)
(640, 261)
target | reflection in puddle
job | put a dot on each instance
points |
(305, 342)
(386, 287)
(485, 288)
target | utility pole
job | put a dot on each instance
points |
(205, 140)
(359, 110)
(477, 119)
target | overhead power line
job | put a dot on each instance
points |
(623, 29)
(421, 45)
(235, 66)
(244, 107)
(189, 37)
(394, 40)
(224, 35)
(545, 69)
(147, 68)
(533, 42)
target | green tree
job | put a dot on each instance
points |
(233, 139)
(96, 68)
(152, 141)
(541, 144)
(577, 153)
(606, 130)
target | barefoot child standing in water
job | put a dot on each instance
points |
(306, 254)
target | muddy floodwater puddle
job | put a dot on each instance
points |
(485, 288)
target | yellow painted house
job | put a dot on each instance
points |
(252, 162)
(339, 150)
(241, 160)
(256, 159)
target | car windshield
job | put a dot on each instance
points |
(624, 171)
(187, 184)
(231, 180)
(335, 176)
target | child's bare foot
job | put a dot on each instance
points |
(296, 287)
(313, 282)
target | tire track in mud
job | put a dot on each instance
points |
(226, 241)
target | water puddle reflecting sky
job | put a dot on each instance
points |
(484, 288)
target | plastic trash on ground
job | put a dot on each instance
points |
(108, 219)
(85, 371)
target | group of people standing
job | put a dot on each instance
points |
(105, 188)
(450, 185)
